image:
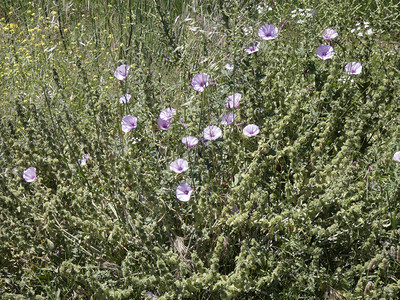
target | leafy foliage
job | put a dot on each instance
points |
(307, 208)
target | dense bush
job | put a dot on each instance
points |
(308, 208)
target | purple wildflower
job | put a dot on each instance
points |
(128, 123)
(233, 100)
(125, 98)
(283, 25)
(163, 124)
(353, 68)
(121, 72)
(227, 119)
(396, 156)
(152, 296)
(165, 57)
(167, 114)
(251, 130)
(325, 52)
(268, 32)
(369, 169)
(253, 49)
(212, 133)
(178, 166)
(329, 34)
(190, 141)
(355, 165)
(29, 174)
(200, 81)
(183, 123)
(183, 192)
(240, 124)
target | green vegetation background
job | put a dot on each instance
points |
(284, 215)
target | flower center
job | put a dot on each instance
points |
(186, 192)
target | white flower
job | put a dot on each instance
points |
(29, 174)
(183, 192)
(178, 166)
(229, 67)
(396, 156)
(212, 133)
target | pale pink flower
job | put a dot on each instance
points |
(121, 72)
(125, 98)
(163, 124)
(183, 192)
(128, 123)
(212, 133)
(268, 32)
(329, 34)
(227, 119)
(325, 52)
(229, 67)
(190, 141)
(29, 174)
(353, 68)
(178, 166)
(252, 49)
(396, 156)
(167, 114)
(251, 130)
(233, 100)
(200, 81)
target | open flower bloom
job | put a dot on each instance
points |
(396, 156)
(268, 32)
(253, 49)
(329, 34)
(163, 124)
(190, 141)
(29, 174)
(183, 192)
(227, 119)
(212, 133)
(251, 130)
(353, 68)
(121, 72)
(200, 81)
(233, 100)
(325, 52)
(125, 98)
(167, 114)
(128, 123)
(178, 166)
